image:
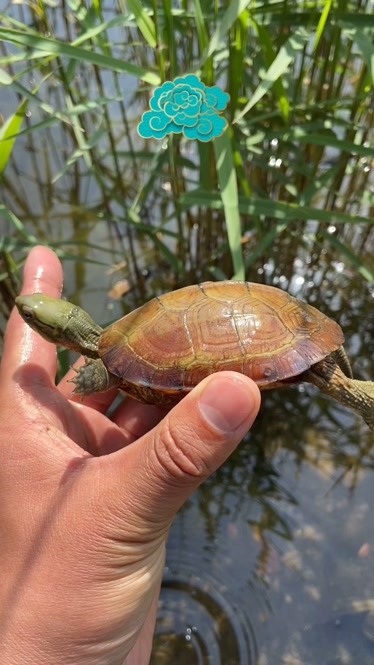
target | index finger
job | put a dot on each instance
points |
(134, 418)
(42, 274)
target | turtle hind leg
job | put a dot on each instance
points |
(357, 395)
(93, 377)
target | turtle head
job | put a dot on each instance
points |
(60, 322)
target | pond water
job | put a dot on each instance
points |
(271, 561)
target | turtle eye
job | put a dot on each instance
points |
(28, 314)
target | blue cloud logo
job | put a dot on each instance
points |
(185, 106)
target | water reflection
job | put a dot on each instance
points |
(278, 545)
(278, 549)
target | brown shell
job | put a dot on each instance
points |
(172, 342)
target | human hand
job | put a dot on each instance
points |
(86, 501)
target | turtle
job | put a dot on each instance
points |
(160, 351)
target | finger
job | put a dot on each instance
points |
(134, 418)
(101, 436)
(162, 469)
(43, 274)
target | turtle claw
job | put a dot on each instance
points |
(92, 377)
(76, 381)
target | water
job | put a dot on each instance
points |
(271, 561)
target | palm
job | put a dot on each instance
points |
(61, 435)
(75, 431)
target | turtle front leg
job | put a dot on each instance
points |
(357, 395)
(93, 377)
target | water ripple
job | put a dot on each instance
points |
(200, 624)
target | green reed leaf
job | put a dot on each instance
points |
(144, 22)
(229, 194)
(322, 22)
(56, 47)
(280, 65)
(266, 43)
(5, 79)
(228, 19)
(8, 134)
(365, 44)
(350, 256)
(287, 212)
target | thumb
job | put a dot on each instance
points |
(163, 468)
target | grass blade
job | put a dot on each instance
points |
(280, 65)
(229, 195)
(322, 22)
(352, 258)
(144, 22)
(228, 19)
(56, 47)
(8, 134)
